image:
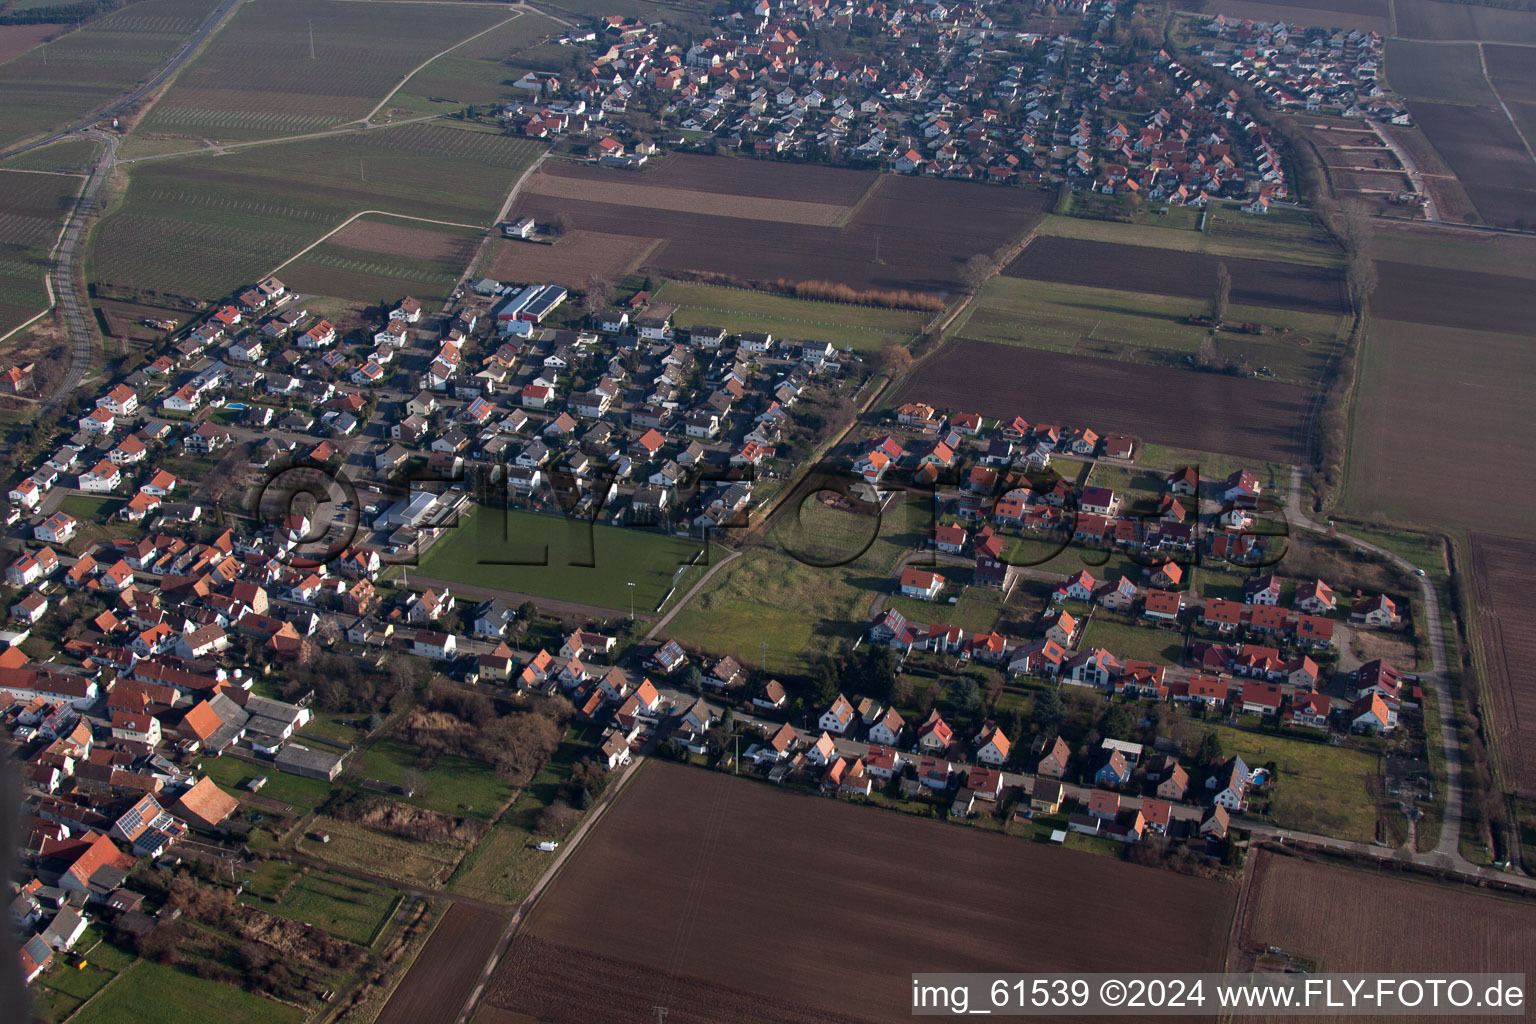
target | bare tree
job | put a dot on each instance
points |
(977, 269)
(1360, 264)
(599, 291)
(897, 359)
(1222, 292)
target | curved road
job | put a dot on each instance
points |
(1448, 852)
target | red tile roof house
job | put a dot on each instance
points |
(1054, 764)
(935, 734)
(838, 718)
(921, 583)
(950, 539)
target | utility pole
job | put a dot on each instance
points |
(311, 40)
(631, 602)
(763, 657)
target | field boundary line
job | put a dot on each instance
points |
(364, 213)
(1482, 59)
(858, 204)
(418, 68)
(609, 797)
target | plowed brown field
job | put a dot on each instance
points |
(911, 233)
(435, 987)
(1349, 920)
(728, 900)
(1506, 609)
(1203, 411)
(570, 260)
(1140, 268)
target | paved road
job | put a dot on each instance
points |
(114, 107)
(82, 335)
(1447, 854)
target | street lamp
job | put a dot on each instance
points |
(631, 602)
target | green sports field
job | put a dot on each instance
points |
(582, 563)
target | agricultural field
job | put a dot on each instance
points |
(1459, 113)
(570, 260)
(1264, 238)
(440, 979)
(1203, 411)
(32, 210)
(1474, 931)
(1138, 268)
(1408, 467)
(1451, 199)
(16, 40)
(378, 259)
(1435, 19)
(150, 993)
(581, 562)
(71, 156)
(257, 79)
(862, 328)
(50, 86)
(205, 224)
(855, 234)
(736, 848)
(1458, 297)
(1501, 570)
(1147, 328)
(480, 70)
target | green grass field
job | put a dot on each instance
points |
(32, 210)
(801, 610)
(1139, 643)
(232, 774)
(1320, 788)
(52, 85)
(589, 564)
(453, 785)
(203, 225)
(257, 79)
(1231, 234)
(864, 328)
(149, 993)
(348, 909)
(505, 863)
(977, 610)
(64, 987)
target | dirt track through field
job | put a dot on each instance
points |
(698, 887)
